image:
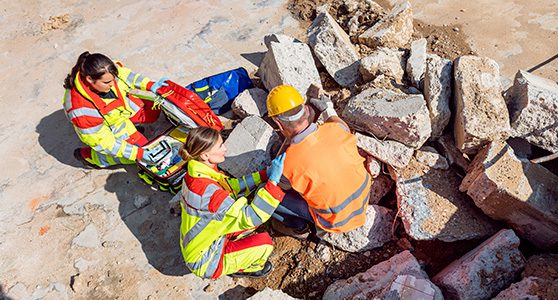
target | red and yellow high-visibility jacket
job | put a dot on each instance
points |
(103, 124)
(214, 208)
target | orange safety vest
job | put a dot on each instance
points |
(326, 169)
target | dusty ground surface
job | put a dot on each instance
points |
(66, 232)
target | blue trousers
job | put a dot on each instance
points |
(293, 211)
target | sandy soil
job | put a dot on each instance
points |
(66, 232)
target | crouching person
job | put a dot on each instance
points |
(218, 221)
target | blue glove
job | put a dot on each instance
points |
(148, 155)
(159, 83)
(276, 170)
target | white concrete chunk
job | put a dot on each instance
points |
(389, 114)
(483, 271)
(430, 157)
(437, 92)
(383, 61)
(248, 147)
(333, 48)
(392, 153)
(375, 232)
(416, 63)
(251, 102)
(534, 110)
(394, 31)
(267, 294)
(481, 114)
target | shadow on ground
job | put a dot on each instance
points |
(153, 225)
(58, 138)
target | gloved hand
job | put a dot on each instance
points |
(324, 105)
(276, 170)
(159, 83)
(148, 155)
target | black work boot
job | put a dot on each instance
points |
(257, 274)
(86, 164)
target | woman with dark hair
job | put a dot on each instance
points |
(103, 113)
(218, 221)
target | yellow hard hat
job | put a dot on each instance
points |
(283, 98)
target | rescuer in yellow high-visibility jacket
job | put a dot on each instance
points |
(103, 113)
(218, 221)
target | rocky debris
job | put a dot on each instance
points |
(279, 38)
(523, 194)
(430, 157)
(56, 23)
(393, 31)
(333, 48)
(534, 110)
(374, 166)
(481, 114)
(288, 63)
(389, 114)
(383, 61)
(416, 63)
(451, 153)
(323, 252)
(375, 232)
(88, 238)
(544, 266)
(521, 290)
(391, 279)
(268, 293)
(431, 206)
(437, 92)
(392, 153)
(141, 201)
(251, 102)
(248, 147)
(381, 186)
(483, 271)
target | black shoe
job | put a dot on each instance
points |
(297, 233)
(141, 129)
(257, 274)
(86, 164)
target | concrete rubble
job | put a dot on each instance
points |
(416, 63)
(251, 102)
(393, 31)
(288, 63)
(483, 271)
(437, 92)
(381, 186)
(533, 108)
(430, 157)
(432, 207)
(521, 290)
(248, 147)
(520, 193)
(390, 114)
(451, 153)
(481, 114)
(375, 232)
(391, 279)
(383, 61)
(333, 48)
(267, 294)
(392, 153)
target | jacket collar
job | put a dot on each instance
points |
(200, 170)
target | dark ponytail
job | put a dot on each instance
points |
(94, 65)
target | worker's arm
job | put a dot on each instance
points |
(324, 106)
(133, 80)
(245, 185)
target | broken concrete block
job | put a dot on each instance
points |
(289, 63)
(389, 114)
(520, 193)
(431, 206)
(375, 232)
(383, 61)
(526, 289)
(437, 92)
(481, 114)
(534, 110)
(393, 31)
(429, 156)
(392, 153)
(483, 271)
(333, 48)
(251, 102)
(248, 147)
(544, 266)
(88, 238)
(279, 38)
(381, 186)
(383, 281)
(451, 153)
(268, 293)
(416, 63)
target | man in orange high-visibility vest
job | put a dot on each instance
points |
(330, 186)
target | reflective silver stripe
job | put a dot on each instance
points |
(128, 151)
(214, 251)
(90, 130)
(345, 127)
(223, 208)
(98, 148)
(346, 202)
(132, 104)
(103, 160)
(195, 230)
(214, 263)
(138, 81)
(263, 205)
(130, 79)
(119, 129)
(241, 185)
(355, 213)
(251, 213)
(84, 111)
(67, 100)
(250, 183)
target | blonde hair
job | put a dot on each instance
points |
(199, 141)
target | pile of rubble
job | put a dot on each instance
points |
(422, 118)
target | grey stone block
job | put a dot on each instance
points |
(392, 153)
(437, 92)
(393, 31)
(251, 102)
(383, 61)
(521, 290)
(430, 157)
(416, 63)
(268, 293)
